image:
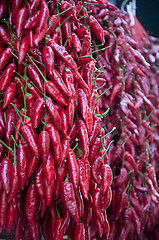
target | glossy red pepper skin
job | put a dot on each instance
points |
(28, 135)
(35, 4)
(78, 79)
(65, 144)
(21, 165)
(52, 24)
(3, 7)
(31, 199)
(68, 79)
(76, 44)
(5, 173)
(55, 93)
(44, 145)
(53, 112)
(34, 76)
(20, 21)
(44, 15)
(3, 209)
(7, 76)
(49, 169)
(82, 178)
(95, 130)
(37, 112)
(9, 94)
(83, 137)
(94, 148)
(14, 187)
(64, 6)
(39, 182)
(2, 119)
(106, 200)
(80, 202)
(4, 36)
(33, 20)
(123, 204)
(69, 200)
(66, 31)
(63, 54)
(64, 125)
(82, 100)
(48, 58)
(48, 191)
(56, 142)
(10, 214)
(5, 56)
(107, 177)
(23, 50)
(39, 35)
(96, 166)
(32, 165)
(73, 168)
(29, 104)
(10, 119)
(70, 110)
(60, 175)
(79, 232)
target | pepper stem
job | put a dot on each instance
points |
(16, 109)
(9, 148)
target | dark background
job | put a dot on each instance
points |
(147, 12)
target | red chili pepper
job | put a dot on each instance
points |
(107, 177)
(5, 173)
(98, 225)
(44, 146)
(60, 175)
(73, 168)
(115, 92)
(29, 104)
(76, 44)
(65, 6)
(55, 93)
(35, 4)
(152, 175)
(18, 225)
(21, 165)
(79, 232)
(23, 50)
(31, 200)
(94, 149)
(7, 76)
(39, 182)
(123, 204)
(2, 119)
(34, 161)
(48, 191)
(70, 110)
(82, 99)
(53, 21)
(82, 178)
(29, 36)
(120, 179)
(36, 53)
(48, 58)
(56, 35)
(89, 121)
(95, 130)
(96, 166)
(20, 21)
(35, 77)
(68, 79)
(40, 35)
(80, 203)
(49, 170)
(83, 137)
(14, 187)
(1, 154)
(28, 135)
(66, 32)
(58, 226)
(34, 91)
(3, 209)
(4, 37)
(44, 15)
(15, 4)
(37, 112)
(106, 200)
(56, 143)
(136, 221)
(69, 200)
(10, 214)
(9, 94)
(33, 20)
(78, 79)
(63, 54)
(64, 125)
(3, 7)
(10, 119)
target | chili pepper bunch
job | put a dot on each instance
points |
(131, 74)
(54, 173)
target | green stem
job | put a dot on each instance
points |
(58, 28)
(109, 132)
(45, 124)
(14, 140)
(9, 148)
(67, 41)
(103, 93)
(18, 131)
(16, 109)
(101, 86)
(15, 162)
(64, 11)
(102, 115)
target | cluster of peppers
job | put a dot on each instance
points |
(54, 173)
(131, 67)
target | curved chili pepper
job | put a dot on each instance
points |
(82, 178)
(80, 203)
(82, 99)
(33, 20)
(58, 226)
(65, 144)
(69, 200)
(48, 191)
(31, 199)
(60, 175)
(10, 214)
(4, 36)
(55, 139)
(76, 44)
(23, 50)
(66, 31)
(78, 79)
(18, 225)
(37, 112)
(106, 200)
(39, 182)
(123, 204)
(79, 232)
(7, 76)
(14, 187)
(136, 221)
(107, 177)
(64, 125)
(5, 56)
(34, 91)
(40, 35)
(96, 166)
(115, 92)
(73, 168)
(55, 93)
(28, 135)
(89, 121)
(53, 21)
(120, 179)
(49, 170)
(83, 137)
(9, 94)
(48, 58)
(34, 75)
(44, 146)
(98, 225)
(44, 15)
(35, 4)
(3, 209)
(21, 165)
(65, 6)
(10, 119)
(20, 20)
(53, 112)
(68, 79)
(95, 130)
(29, 104)
(3, 7)
(2, 118)
(34, 161)
(152, 175)
(5, 173)
(94, 149)
(70, 110)
(63, 54)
